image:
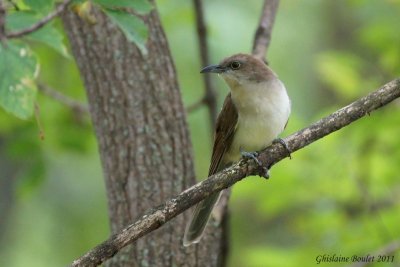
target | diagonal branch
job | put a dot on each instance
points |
(262, 37)
(226, 178)
(60, 8)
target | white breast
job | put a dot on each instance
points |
(263, 109)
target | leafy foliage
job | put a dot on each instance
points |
(18, 64)
(40, 6)
(47, 35)
(18, 69)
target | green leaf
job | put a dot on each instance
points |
(140, 6)
(53, 38)
(41, 6)
(47, 35)
(18, 69)
(134, 28)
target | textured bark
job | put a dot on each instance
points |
(140, 123)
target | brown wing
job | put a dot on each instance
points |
(224, 130)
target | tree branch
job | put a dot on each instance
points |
(210, 95)
(60, 8)
(226, 178)
(63, 99)
(262, 37)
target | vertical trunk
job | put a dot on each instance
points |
(141, 128)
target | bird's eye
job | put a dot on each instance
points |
(235, 65)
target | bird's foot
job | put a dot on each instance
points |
(284, 144)
(264, 171)
(250, 155)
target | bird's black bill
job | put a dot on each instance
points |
(213, 69)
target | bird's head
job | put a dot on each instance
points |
(241, 69)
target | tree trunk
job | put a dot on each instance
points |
(140, 123)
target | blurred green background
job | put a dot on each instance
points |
(338, 196)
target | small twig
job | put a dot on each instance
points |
(60, 8)
(262, 37)
(210, 95)
(66, 100)
(226, 178)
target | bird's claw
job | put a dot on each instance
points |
(250, 155)
(264, 171)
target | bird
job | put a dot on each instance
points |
(254, 113)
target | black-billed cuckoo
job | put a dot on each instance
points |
(254, 112)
